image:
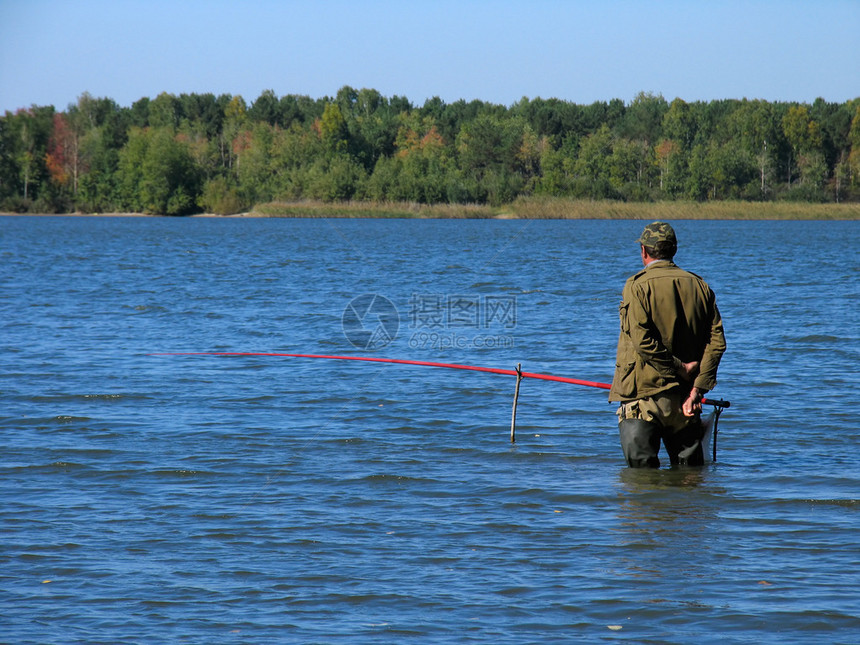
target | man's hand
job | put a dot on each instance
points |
(693, 404)
(689, 370)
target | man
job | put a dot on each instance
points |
(669, 348)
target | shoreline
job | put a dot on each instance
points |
(195, 215)
(531, 208)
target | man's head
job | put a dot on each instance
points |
(659, 241)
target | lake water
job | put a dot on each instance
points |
(204, 499)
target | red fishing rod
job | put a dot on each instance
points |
(400, 361)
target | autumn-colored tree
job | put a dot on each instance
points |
(97, 156)
(528, 155)
(664, 151)
(235, 119)
(419, 169)
(62, 152)
(416, 134)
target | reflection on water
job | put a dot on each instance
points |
(663, 522)
(644, 480)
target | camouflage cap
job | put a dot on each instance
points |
(657, 232)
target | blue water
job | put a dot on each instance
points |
(204, 499)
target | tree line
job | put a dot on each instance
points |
(183, 154)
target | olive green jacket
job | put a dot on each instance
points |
(668, 317)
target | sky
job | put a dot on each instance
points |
(52, 51)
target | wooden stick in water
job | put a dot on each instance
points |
(514, 411)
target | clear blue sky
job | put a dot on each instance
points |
(51, 51)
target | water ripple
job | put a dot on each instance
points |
(202, 499)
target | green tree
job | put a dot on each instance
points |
(335, 178)
(165, 111)
(255, 173)
(170, 182)
(373, 127)
(219, 196)
(529, 155)
(732, 169)
(25, 143)
(488, 142)
(293, 151)
(233, 134)
(701, 173)
(298, 108)
(267, 108)
(203, 114)
(679, 124)
(595, 153)
(628, 166)
(813, 173)
(802, 132)
(834, 120)
(421, 167)
(488, 150)
(157, 173)
(643, 119)
(756, 127)
(557, 171)
(129, 169)
(854, 154)
(332, 128)
(139, 113)
(165, 154)
(97, 190)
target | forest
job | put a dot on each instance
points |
(192, 153)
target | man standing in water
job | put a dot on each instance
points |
(669, 348)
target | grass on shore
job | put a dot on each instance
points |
(374, 209)
(559, 208)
